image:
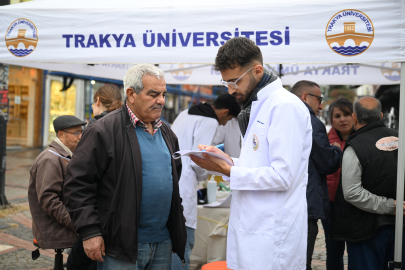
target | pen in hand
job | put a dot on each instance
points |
(219, 146)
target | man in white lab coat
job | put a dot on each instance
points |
(268, 221)
(192, 127)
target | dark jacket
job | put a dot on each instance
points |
(96, 117)
(379, 177)
(323, 160)
(51, 223)
(104, 185)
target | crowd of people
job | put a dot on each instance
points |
(114, 193)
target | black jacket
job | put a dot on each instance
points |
(323, 160)
(379, 177)
(104, 184)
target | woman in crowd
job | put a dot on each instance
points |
(340, 116)
(106, 99)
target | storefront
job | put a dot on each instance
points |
(25, 107)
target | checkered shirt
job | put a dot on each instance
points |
(135, 120)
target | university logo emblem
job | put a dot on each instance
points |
(255, 142)
(390, 74)
(181, 75)
(21, 37)
(349, 32)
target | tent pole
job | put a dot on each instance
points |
(400, 175)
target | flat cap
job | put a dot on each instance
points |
(67, 121)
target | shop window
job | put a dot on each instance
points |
(23, 109)
(62, 103)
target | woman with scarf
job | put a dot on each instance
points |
(106, 99)
(340, 115)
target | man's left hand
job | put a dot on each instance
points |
(212, 164)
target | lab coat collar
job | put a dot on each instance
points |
(266, 91)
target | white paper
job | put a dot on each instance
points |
(198, 154)
(223, 203)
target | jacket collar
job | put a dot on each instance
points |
(334, 136)
(366, 128)
(269, 89)
(309, 108)
(59, 149)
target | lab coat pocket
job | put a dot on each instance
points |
(258, 141)
(257, 214)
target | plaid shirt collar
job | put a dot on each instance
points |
(136, 121)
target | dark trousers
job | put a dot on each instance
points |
(334, 249)
(312, 233)
(375, 253)
(78, 259)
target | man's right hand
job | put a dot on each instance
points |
(395, 202)
(94, 248)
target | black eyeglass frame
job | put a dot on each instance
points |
(320, 98)
(77, 133)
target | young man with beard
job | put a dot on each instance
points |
(268, 221)
(192, 127)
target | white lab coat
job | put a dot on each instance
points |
(230, 136)
(192, 130)
(268, 222)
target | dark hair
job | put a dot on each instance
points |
(341, 103)
(238, 51)
(298, 88)
(366, 116)
(110, 96)
(227, 101)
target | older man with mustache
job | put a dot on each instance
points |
(122, 184)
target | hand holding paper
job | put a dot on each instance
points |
(212, 159)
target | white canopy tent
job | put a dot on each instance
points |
(175, 32)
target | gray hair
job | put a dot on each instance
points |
(133, 77)
(366, 116)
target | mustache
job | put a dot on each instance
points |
(157, 107)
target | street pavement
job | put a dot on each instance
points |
(16, 224)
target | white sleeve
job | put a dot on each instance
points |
(203, 135)
(235, 163)
(219, 136)
(288, 136)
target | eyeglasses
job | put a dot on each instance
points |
(77, 133)
(233, 84)
(319, 98)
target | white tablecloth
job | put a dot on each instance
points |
(211, 235)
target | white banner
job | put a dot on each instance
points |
(319, 73)
(379, 74)
(180, 31)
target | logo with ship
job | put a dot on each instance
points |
(21, 37)
(391, 71)
(179, 74)
(349, 32)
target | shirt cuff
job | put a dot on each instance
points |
(390, 206)
(90, 232)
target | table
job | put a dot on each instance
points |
(211, 235)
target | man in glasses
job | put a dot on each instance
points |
(324, 159)
(268, 221)
(51, 223)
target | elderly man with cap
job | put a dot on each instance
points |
(51, 223)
